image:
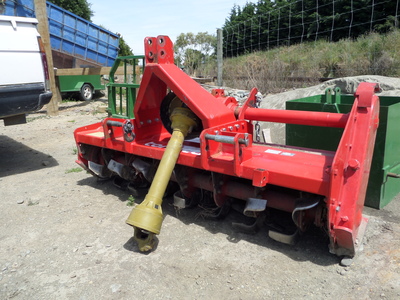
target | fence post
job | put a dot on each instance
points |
(43, 28)
(219, 57)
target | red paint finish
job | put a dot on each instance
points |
(224, 146)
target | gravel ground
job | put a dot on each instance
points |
(63, 235)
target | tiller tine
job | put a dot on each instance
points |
(289, 239)
(254, 208)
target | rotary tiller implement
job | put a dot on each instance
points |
(204, 142)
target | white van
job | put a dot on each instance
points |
(24, 77)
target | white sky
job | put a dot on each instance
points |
(135, 19)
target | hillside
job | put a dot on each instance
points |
(307, 64)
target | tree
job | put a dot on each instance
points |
(124, 49)
(192, 51)
(193, 59)
(182, 43)
(79, 7)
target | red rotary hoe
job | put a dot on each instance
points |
(203, 142)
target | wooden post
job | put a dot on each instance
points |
(219, 58)
(43, 28)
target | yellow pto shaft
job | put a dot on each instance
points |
(147, 217)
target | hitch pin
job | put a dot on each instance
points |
(226, 139)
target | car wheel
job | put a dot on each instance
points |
(86, 93)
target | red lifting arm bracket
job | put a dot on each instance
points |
(160, 75)
(159, 50)
(350, 172)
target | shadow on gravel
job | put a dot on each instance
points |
(16, 158)
(106, 186)
(312, 246)
(132, 246)
(73, 104)
(79, 103)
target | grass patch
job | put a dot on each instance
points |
(31, 119)
(66, 100)
(74, 151)
(74, 170)
(99, 110)
(131, 201)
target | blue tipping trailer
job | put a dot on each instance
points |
(75, 43)
(18, 8)
(81, 39)
(70, 34)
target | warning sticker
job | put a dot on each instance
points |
(278, 152)
(272, 151)
(287, 154)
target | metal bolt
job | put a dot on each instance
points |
(354, 164)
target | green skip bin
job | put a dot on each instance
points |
(384, 180)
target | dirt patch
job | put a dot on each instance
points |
(63, 235)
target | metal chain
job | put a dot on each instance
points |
(257, 126)
(257, 130)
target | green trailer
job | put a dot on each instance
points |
(83, 85)
(384, 182)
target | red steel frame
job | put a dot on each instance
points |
(340, 176)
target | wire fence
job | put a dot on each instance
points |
(317, 39)
(297, 23)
